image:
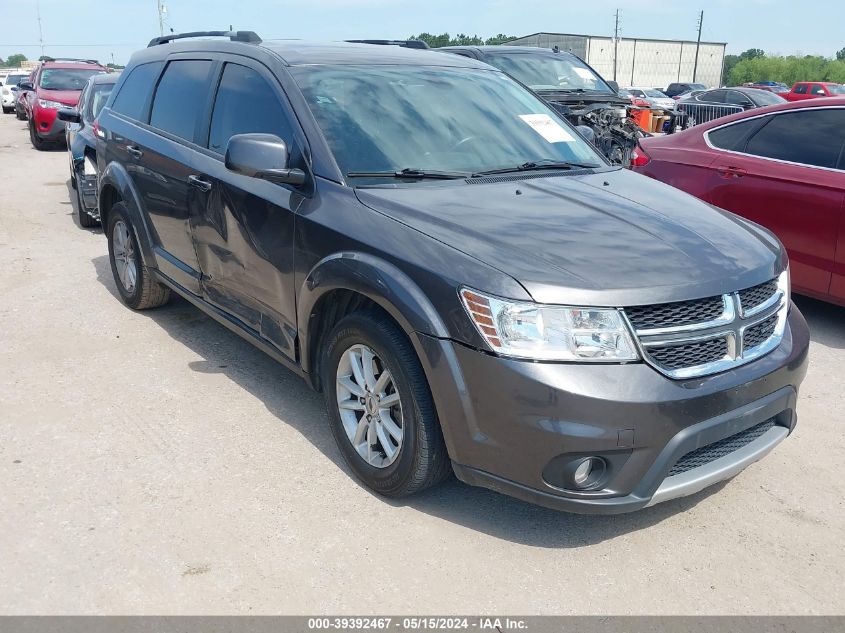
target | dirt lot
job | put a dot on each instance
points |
(155, 463)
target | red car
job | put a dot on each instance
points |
(783, 167)
(813, 90)
(56, 83)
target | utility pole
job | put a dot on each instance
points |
(697, 46)
(40, 32)
(615, 44)
(161, 11)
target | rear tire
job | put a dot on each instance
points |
(134, 280)
(20, 115)
(405, 452)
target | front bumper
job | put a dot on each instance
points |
(8, 100)
(509, 423)
(47, 124)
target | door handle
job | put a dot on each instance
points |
(134, 152)
(732, 172)
(199, 183)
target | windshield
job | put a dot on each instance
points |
(389, 118)
(14, 80)
(655, 93)
(66, 78)
(548, 71)
(836, 89)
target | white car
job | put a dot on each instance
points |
(655, 96)
(9, 90)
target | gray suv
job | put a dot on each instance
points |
(471, 285)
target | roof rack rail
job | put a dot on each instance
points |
(69, 59)
(250, 37)
(403, 43)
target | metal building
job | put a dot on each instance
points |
(639, 62)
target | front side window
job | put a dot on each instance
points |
(737, 98)
(181, 96)
(818, 89)
(133, 97)
(809, 137)
(548, 71)
(713, 96)
(66, 78)
(387, 118)
(246, 103)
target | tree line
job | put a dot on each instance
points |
(444, 39)
(755, 65)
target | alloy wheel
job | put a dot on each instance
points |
(370, 406)
(125, 260)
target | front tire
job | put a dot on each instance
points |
(134, 281)
(381, 410)
(37, 143)
(7, 110)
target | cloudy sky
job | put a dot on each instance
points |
(102, 28)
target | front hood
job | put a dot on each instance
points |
(612, 238)
(67, 97)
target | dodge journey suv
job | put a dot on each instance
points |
(471, 285)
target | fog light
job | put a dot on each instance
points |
(588, 473)
(582, 473)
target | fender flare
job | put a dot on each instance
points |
(116, 176)
(378, 280)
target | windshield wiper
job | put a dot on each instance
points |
(411, 174)
(532, 166)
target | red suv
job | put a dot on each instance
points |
(57, 83)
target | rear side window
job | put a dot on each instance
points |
(733, 137)
(801, 89)
(181, 97)
(810, 137)
(136, 89)
(246, 103)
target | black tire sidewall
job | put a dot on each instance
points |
(118, 213)
(369, 330)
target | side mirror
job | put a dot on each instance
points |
(25, 85)
(613, 86)
(71, 115)
(263, 156)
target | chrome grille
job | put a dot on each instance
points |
(689, 354)
(675, 314)
(712, 452)
(760, 333)
(758, 295)
(686, 339)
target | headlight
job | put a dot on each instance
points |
(554, 333)
(53, 105)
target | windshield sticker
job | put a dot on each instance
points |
(548, 128)
(583, 73)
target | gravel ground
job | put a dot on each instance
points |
(155, 463)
